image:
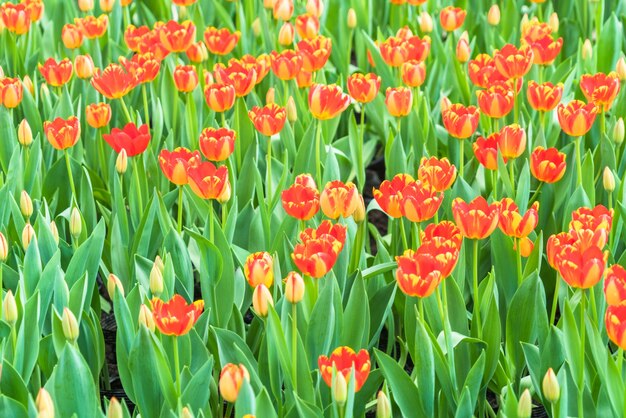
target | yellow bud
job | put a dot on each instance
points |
(26, 205)
(107, 5)
(121, 163)
(550, 387)
(292, 110)
(587, 51)
(315, 7)
(618, 131)
(44, 404)
(186, 413)
(24, 133)
(44, 91)
(28, 233)
(28, 84)
(352, 21)
(158, 262)
(359, 213)
(85, 5)
(294, 287)
(493, 17)
(463, 50)
(156, 279)
(620, 68)
(76, 223)
(525, 405)
(225, 195)
(115, 409)
(383, 407)
(146, 318)
(426, 22)
(270, 96)
(554, 22)
(286, 34)
(55, 231)
(256, 27)
(608, 180)
(9, 308)
(524, 21)
(261, 299)
(340, 389)
(113, 282)
(4, 248)
(70, 326)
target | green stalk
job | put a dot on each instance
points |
(462, 158)
(144, 93)
(512, 173)
(211, 221)
(475, 285)
(294, 346)
(177, 371)
(136, 175)
(447, 330)
(125, 109)
(555, 299)
(71, 177)
(536, 194)
(581, 376)
(359, 151)
(579, 165)
(405, 245)
(515, 102)
(602, 124)
(180, 209)
(620, 361)
(520, 277)
(318, 163)
(269, 171)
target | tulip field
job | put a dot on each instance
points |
(312, 208)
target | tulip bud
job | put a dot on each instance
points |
(115, 409)
(156, 278)
(106, 5)
(383, 407)
(70, 325)
(525, 405)
(231, 379)
(76, 225)
(620, 68)
(493, 17)
(26, 205)
(261, 299)
(225, 195)
(24, 133)
(121, 163)
(28, 233)
(550, 386)
(83, 66)
(85, 5)
(554, 22)
(256, 27)
(359, 213)
(292, 111)
(445, 103)
(286, 34)
(618, 131)
(113, 282)
(270, 96)
(28, 84)
(587, 50)
(55, 231)
(186, 413)
(340, 389)
(352, 21)
(426, 22)
(1, 70)
(9, 308)
(608, 180)
(524, 21)
(44, 404)
(146, 318)
(463, 50)
(315, 7)
(294, 287)
(44, 91)
(4, 248)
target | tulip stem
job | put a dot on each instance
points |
(515, 102)
(144, 93)
(103, 162)
(177, 369)
(269, 170)
(136, 175)
(180, 209)
(602, 124)
(476, 296)
(318, 145)
(581, 376)
(494, 179)
(125, 109)
(620, 361)
(592, 301)
(405, 245)
(520, 276)
(461, 158)
(359, 152)
(294, 346)
(555, 299)
(71, 177)
(512, 174)
(536, 194)
(447, 330)
(579, 165)
(211, 221)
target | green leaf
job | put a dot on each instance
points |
(356, 312)
(404, 391)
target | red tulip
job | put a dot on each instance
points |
(176, 317)
(131, 139)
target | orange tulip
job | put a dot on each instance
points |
(307, 26)
(315, 257)
(35, 9)
(399, 101)
(439, 173)
(339, 199)
(481, 70)
(184, 2)
(486, 150)
(302, 199)
(286, 34)
(327, 101)
(283, 9)
(336, 233)
(209, 182)
(259, 269)
(442, 255)
(130, 139)
(463, 51)
(11, 92)
(389, 194)
(221, 41)
(497, 101)
(56, 74)
(513, 63)
(419, 201)
(545, 50)
(175, 317)
(197, 52)
(547, 165)
(615, 321)
(315, 7)
(177, 37)
(615, 285)
(576, 118)
(304, 79)
(592, 218)
(418, 48)
(600, 89)
(92, 27)
(241, 76)
(477, 219)
(413, 73)
(15, 17)
(394, 51)
(286, 64)
(544, 97)
(62, 133)
(314, 52)
(512, 141)
(512, 223)
(231, 379)
(460, 121)
(343, 360)
(113, 82)
(133, 36)
(71, 36)
(268, 120)
(451, 18)
(404, 32)
(363, 87)
(442, 232)
(98, 115)
(417, 274)
(261, 64)
(151, 43)
(581, 267)
(555, 244)
(174, 164)
(219, 97)
(217, 144)
(185, 78)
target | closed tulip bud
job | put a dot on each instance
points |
(28, 233)
(608, 180)
(146, 318)
(55, 231)
(463, 50)
(83, 66)
(261, 299)
(28, 84)
(550, 387)
(270, 96)
(315, 7)
(554, 22)
(383, 407)
(44, 91)
(618, 131)
(620, 68)
(121, 163)
(115, 409)
(156, 280)
(85, 5)
(158, 261)
(340, 389)
(286, 34)
(107, 5)
(4, 248)
(587, 51)
(9, 308)
(24, 133)
(359, 212)
(76, 223)
(292, 110)
(256, 27)
(186, 413)
(352, 21)
(493, 17)
(426, 22)
(26, 205)
(112, 282)
(524, 21)
(294, 287)
(525, 405)
(231, 379)
(70, 325)
(44, 404)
